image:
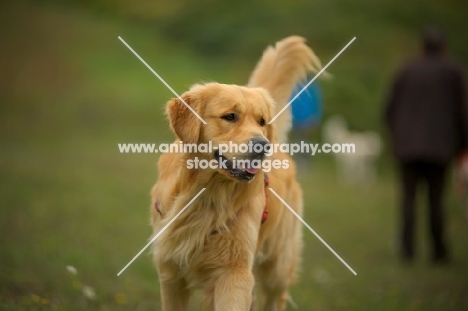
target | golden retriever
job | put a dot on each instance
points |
(220, 243)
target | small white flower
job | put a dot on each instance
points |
(89, 292)
(321, 276)
(72, 270)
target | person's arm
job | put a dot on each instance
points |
(392, 100)
(461, 105)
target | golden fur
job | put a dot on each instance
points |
(218, 244)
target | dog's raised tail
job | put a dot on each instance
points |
(280, 70)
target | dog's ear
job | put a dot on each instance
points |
(182, 120)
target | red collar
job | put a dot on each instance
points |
(156, 207)
(266, 181)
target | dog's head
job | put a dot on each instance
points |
(234, 116)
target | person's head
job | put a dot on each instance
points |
(434, 41)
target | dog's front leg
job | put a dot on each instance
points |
(174, 295)
(233, 290)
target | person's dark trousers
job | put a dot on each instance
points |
(433, 175)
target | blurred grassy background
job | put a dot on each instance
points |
(70, 91)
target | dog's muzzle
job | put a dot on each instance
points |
(260, 147)
(245, 167)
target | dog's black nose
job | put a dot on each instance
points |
(260, 146)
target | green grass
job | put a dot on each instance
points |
(71, 91)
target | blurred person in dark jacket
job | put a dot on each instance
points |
(426, 113)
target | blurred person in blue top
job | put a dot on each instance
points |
(306, 115)
(307, 108)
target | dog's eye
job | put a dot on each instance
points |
(262, 122)
(231, 117)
